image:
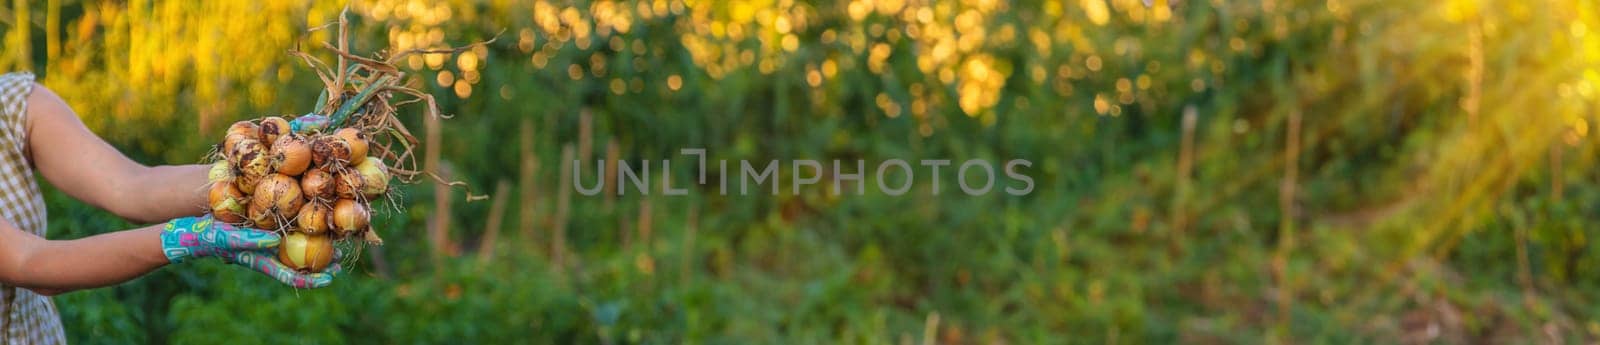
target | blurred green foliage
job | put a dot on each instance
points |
(1441, 190)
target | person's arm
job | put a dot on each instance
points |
(87, 168)
(51, 267)
(79, 163)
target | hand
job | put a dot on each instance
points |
(183, 238)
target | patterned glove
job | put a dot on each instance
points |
(307, 123)
(202, 237)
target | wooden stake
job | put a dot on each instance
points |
(491, 230)
(558, 232)
(585, 134)
(1524, 269)
(529, 189)
(1180, 217)
(645, 223)
(439, 226)
(613, 153)
(625, 231)
(687, 257)
(1286, 193)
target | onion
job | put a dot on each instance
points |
(313, 218)
(227, 203)
(327, 150)
(374, 177)
(349, 216)
(357, 142)
(228, 211)
(261, 216)
(244, 129)
(232, 140)
(291, 155)
(317, 184)
(250, 158)
(306, 252)
(247, 182)
(280, 194)
(273, 127)
(347, 184)
(220, 170)
(224, 190)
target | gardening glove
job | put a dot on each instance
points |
(308, 123)
(204, 237)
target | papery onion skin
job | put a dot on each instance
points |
(347, 184)
(236, 154)
(229, 211)
(374, 177)
(329, 150)
(262, 217)
(220, 170)
(273, 127)
(232, 141)
(349, 216)
(224, 190)
(317, 184)
(357, 142)
(247, 182)
(306, 252)
(250, 158)
(244, 128)
(280, 193)
(291, 155)
(314, 218)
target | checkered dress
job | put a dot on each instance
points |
(29, 318)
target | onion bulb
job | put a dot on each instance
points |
(250, 157)
(247, 182)
(306, 252)
(227, 203)
(273, 127)
(228, 211)
(291, 155)
(232, 140)
(329, 149)
(313, 218)
(357, 141)
(374, 177)
(245, 129)
(237, 133)
(224, 190)
(280, 194)
(220, 171)
(349, 216)
(347, 184)
(317, 184)
(261, 216)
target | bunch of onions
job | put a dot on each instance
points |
(312, 178)
(314, 188)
